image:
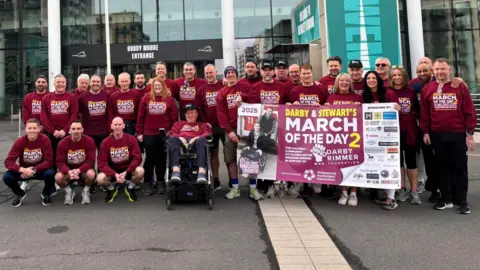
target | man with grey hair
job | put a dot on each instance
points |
(382, 67)
(83, 82)
(187, 86)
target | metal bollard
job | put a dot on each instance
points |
(19, 123)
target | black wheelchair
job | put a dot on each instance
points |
(188, 190)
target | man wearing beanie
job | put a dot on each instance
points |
(32, 102)
(227, 117)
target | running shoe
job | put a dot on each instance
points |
(317, 188)
(464, 209)
(202, 178)
(352, 200)
(442, 205)
(254, 194)
(86, 197)
(162, 188)
(343, 199)
(147, 188)
(111, 194)
(402, 195)
(217, 185)
(420, 187)
(415, 198)
(435, 196)
(176, 177)
(46, 200)
(132, 196)
(270, 193)
(17, 201)
(390, 205)
(69, 196)
(233, 193)
(294, 190)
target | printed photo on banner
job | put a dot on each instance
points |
(351, 145)
(257, 148)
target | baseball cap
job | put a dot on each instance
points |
(267, 65)
(355, 64)
(281, 64)
(190, 107)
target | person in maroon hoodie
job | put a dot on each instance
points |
(334, 65)
(206, 102)
(83, 82)
(109, 85)
(355, 70)
(157, 111)
(161, 72)
(119, 161)
(409, 112)
(294, 74)
(139, 81)
(308, 93)
(448, 120)
(59, 110)
(93, 111)
(191, 134)
(281, 72)
(252, 76)
(75, 161)
(32, 102)
(382, 67)
(227, 114)
(35, 161)
(124, 104)
(187, 87)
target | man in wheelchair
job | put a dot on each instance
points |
(191, 135)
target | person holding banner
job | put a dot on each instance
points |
(343, 93)
(375, 92)
(294, 74)
(409, 112)
(227, 114)
(267, 91)
(308, 93)
(448, 121)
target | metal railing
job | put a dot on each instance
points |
(476, 103)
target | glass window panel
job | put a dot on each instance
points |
(9, 25)
(252, 18)
(203, 19)
(163, 20)
(35, 23)
(282, 16)
(82, 22)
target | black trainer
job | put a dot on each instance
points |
(162, 188)
(147, 188)
(46, 200)
(442, 205)
(217, 185)
(464, 209)
(132, 196)
(435, 197)
(111, 194)
(17, 201)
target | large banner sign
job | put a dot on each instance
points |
(349, 145)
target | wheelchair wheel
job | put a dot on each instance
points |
(210, 203)
(168, 202)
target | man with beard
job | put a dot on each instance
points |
(334, 65)
(92, 109)
(32, 102)
(206, 102)
(82, 84)
(281, 74)
(109, 85)
(355, 70)
(187, 87)
(251, 74)
(59, 110)
(267, 91)
(139, 81)
(382, 67)
(124, 104)
(161, 72)
(294, 73)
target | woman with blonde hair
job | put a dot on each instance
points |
(157, 110)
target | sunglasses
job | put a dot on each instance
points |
(381, 65)
(397, 66)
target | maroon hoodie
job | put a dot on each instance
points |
(250, 81)
(186, 92)
(186, 130)
(266, 93)
(358, 87)
(447, 110)
(110, 90)
(171, 85)
(59, 111)
(309, 95)
(289, 86)
(32, 106)
(227, 112)
(409, 110)
(156, 114)
(341, 99)
(77, 92)
(76, 155)
(206, 102)
(38, 154)
(119, 155)
(124, 105)
(329, 83)
(94, 110)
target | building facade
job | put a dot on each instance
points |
(143, 32)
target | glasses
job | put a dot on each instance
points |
(381, 65)
(397, 66)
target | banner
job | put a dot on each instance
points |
(348, 145)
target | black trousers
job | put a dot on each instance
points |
(452, 162)
(130, 128)
(54, 142)
(430, 170)
(12, 178)
(200, 148)
(98, 139)
(155, 157)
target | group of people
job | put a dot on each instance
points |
(437, 118)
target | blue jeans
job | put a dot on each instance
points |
(12, 178)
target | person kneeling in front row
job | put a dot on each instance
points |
(192, 134)
(119, 161)
(35, 161)
(75, 161)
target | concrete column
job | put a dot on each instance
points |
(107, 37)
(2, 72)
(228, 33)
(415, 33)
(54, 42)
